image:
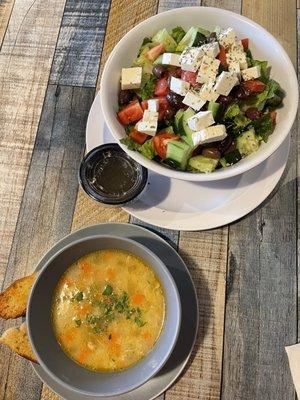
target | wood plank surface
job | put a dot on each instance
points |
(205, 255)
(79, 46)
(25, 62)
(6, 7)
(261, 310)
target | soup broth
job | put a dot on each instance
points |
(108, 310)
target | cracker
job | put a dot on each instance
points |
(13, 301)
(17, 340)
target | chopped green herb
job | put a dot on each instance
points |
(97, 329)
(78, 296)
(78, 322)
(107, 290)
(139, 322)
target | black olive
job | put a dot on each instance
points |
(240, 92)
(225, 144)
(168, 116)
(225, 99)
(174, 99)
(212, 37)
(125, 96)
(159, 70)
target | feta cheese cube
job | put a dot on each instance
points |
(179, 86)
(210, 50)
(131, 78)
(149, 128)
(171, 59)
(190, 59)
(251, 73)
(150, 115)
(232, 57)
(225, 82)
(148, 125)
(237, 47)
(153, 104)
(210, 134)
(208, 91)
(193, 100)
(208, 69)
(201, 120)
(227, 37)
(234, 67)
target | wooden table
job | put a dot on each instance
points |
(246, 274)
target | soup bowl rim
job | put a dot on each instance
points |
(173, 288)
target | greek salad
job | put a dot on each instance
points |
(197, 100)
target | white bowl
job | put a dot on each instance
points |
(263, 47)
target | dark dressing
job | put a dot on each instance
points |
(110, 176)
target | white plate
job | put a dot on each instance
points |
(189, 303)
(176, 204)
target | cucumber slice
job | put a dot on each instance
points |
(199, 40)
(188, 39)
(184, 127)
(247, 142)
(178, 153)
(178, 115)
(230, 158)
(202, 164)
(204, 31)
(214, 108)
(166, 39)
(158, 60)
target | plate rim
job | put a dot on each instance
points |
(190, 222)
(55, 248)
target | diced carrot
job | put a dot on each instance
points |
(111, 274)
(83, 354)
(85, 266)
(137, 298)
(147, 335)
(153, 53)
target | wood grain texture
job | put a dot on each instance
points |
(6, 7)
(79, 46)
(205, 255)
(261, 310)
(48, 203)
(123, 16)
(230, 5)
(25, 62)
(298, 175)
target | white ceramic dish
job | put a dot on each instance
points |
(188, 330)
(263, 46)
(177, 204)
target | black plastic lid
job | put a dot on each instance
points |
(110, 176)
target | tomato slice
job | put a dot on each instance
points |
(153, 53)
(144, 104)
(254, 86)
(162, 87)
(138, 137)
(163, 106)
(189, 76)
(245, 44)
(222, 57)
(131, 113)
(160, 141)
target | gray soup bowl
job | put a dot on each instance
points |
(49, 353)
